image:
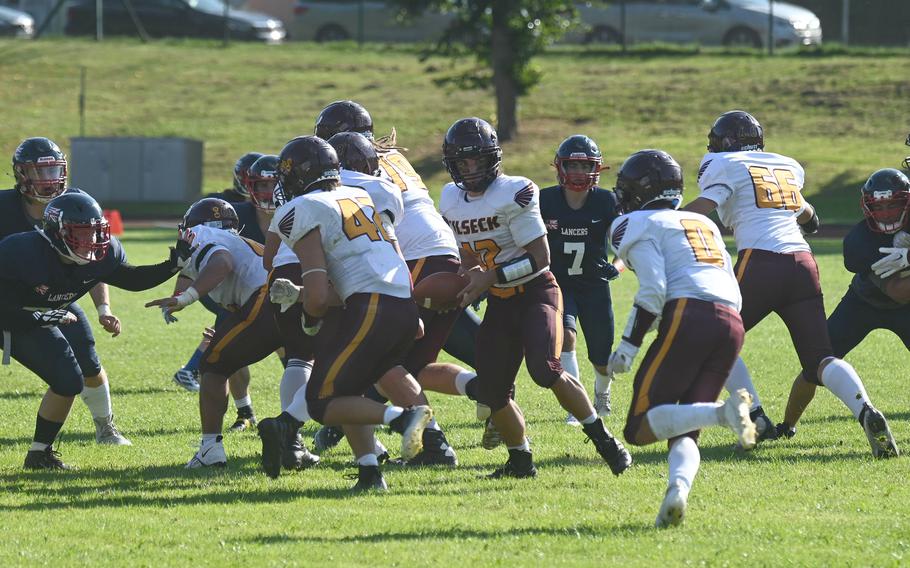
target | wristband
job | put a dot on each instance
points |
(104, 310)
(312, 270)
(639, 323)
(187, 297)
(516, 269)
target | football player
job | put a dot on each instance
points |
(228, 268)
(428, 246)
(496, 218)
(878, 295)
(687, 290)
(577, 215)
(44, 272)
(758, 195)
(254, 217)
(40, 169)
(357, 302)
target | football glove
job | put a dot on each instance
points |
(183, 249)
(285, 293)
(611, 272)
(621, 359)
(52, 318)
(894, 261)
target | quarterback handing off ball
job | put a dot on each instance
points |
(439, 291)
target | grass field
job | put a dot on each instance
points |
(842, 116)
(816, 499)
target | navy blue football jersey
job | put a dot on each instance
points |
(13, 218)
(860, 252)
(577, 237)
(249, 226)
(34, 278)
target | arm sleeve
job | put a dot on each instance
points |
(523, 213)
(712, 180)
(652, 281)
(138, 278)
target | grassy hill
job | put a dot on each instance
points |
(842, 116)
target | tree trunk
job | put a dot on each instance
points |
(503, 58)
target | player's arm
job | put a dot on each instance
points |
(895, 287)
(317, 294)
(146, 277)
(807, 218)
(102, 300)
(272, 242)
(701, 205)
(218, 266)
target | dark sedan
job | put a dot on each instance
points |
(174, 18)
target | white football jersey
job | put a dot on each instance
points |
(758, 196)
(422, 232)
(248, 274)
(385, 195)
(496, 225)
(360, 257)
(675, 254)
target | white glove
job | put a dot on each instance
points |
(901, 239)
(169, 318)
(53, 318)
(894, 261)
(284, 292)
(621, 359)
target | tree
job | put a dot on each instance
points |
(503, 36)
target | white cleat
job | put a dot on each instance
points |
(187, 379)
(736, 415)
(106, 432)
(572, 421)
(415, 420)
(209, 455)
(602, 405)
(673, 508)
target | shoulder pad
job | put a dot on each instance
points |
(626, 230)
(712, 171)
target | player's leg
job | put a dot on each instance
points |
(96, 394)
(567, 357)
(187, 376)
(239, 384)
(596, 317)
(848, 325)
(805, 319)
(45, 352)
(541, 335)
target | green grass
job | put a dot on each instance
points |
(818, 499)
(842, 113)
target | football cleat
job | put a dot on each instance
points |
(764, 427)
(275, 435)
(209, 455)
(572, 421)
(436, 451)
(411, 424)
(369, 478)
(784, 430)
(602, 404)
(327, 438)
(296, 456)
(878, 433)
(47, 458)
(491, 438)
(188, 379)
(244, 422)
(736, 415)
(519, 465)
(106, 432)
(610, 449)
(673, 508)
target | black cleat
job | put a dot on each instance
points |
(519, 465)
(327, 438)
(369, 478)
(245, 420)
(610, 449)
(763, 425)
(436, 451)
(275, 434)
(296, 456)
(784, 430)
(47, 458)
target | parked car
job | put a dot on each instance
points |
(15, 23)
(338, 20)
(179, 18)
(707, 22)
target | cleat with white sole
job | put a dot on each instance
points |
(106, 432)
(572, 421)
(411, 424)
(673, 508)
(209, 455)
(187, 379)
(881, 440)
(736, 416)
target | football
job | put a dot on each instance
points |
(439, 291)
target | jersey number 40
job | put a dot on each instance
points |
(356, 223)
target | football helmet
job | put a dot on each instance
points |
(344, 116)
(76, 228)
(241, 171)
(648, 176)
(40, 169)
(355, 153)
(885, 200)
(584, 153)
(472, 139)
(736, 131)
(211, 212)
(261, 180)
(305, 161)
